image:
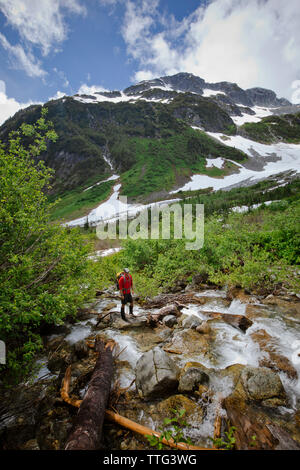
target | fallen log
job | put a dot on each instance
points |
(237, 321)
(255, 432)
(172, 309)
(143, 430)
(162, 300)
(122, 421)
(87, 430)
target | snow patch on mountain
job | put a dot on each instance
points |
(289, 159)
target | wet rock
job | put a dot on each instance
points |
(81, 349)
(240, 294)
(156, 373)
(32, 444)
(233, 372)
(193, 415)
(251, 408)
(54, 429)
(192, 321)
(189, 342)
(237, 321)
(170, 320)
(289, 307)
(257, 311)
(61, 358)
(263, 385)
(204, 328)
(191, 377)
(275, 361)
(147, 338)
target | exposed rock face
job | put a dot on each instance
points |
(237, 94)
(109, 94)
(185, 82)
(156, 374)
(264, 97)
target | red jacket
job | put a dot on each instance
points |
(125, 283)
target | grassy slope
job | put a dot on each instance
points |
(78, 202)
(161, 161)
(285, 128)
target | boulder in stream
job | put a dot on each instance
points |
(156, 374)
(170, 321)
(192, 375)
(251, 409)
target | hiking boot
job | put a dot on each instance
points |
(123, 315)
(131, 310)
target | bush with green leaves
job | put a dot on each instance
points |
(45, 273)
(228, 443)
(258, 249)
(172, 430)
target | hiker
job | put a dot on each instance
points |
(125, 286)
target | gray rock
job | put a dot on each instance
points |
(191, 321)
(156, 374)
(204, 328)
(191, 378)
(170, 320)
(262, 384)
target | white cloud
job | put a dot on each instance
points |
(40, 23)
(9, 106)
(22, 60)
(57, 96)
(62, 76)
(90, 89)
(253, 43)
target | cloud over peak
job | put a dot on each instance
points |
(253, 43)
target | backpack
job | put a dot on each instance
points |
(118, 276)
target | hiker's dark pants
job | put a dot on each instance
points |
(127, 298)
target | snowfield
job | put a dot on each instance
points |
(289, 155)
(114, 209)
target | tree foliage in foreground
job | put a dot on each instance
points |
(45, 273)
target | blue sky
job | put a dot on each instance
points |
(54, 47)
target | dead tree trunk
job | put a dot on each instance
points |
(171, 309)
(87, 431)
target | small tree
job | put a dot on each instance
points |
(45, 273)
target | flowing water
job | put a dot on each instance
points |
(229, 346)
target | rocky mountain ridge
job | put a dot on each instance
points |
(158, 133)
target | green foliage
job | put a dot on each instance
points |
(284, 128)
(45, 273)
(159, 162)
(228, 443)
(141, 138)
(221, 201)
(258, 249)
(172, 429)
(78, 202)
